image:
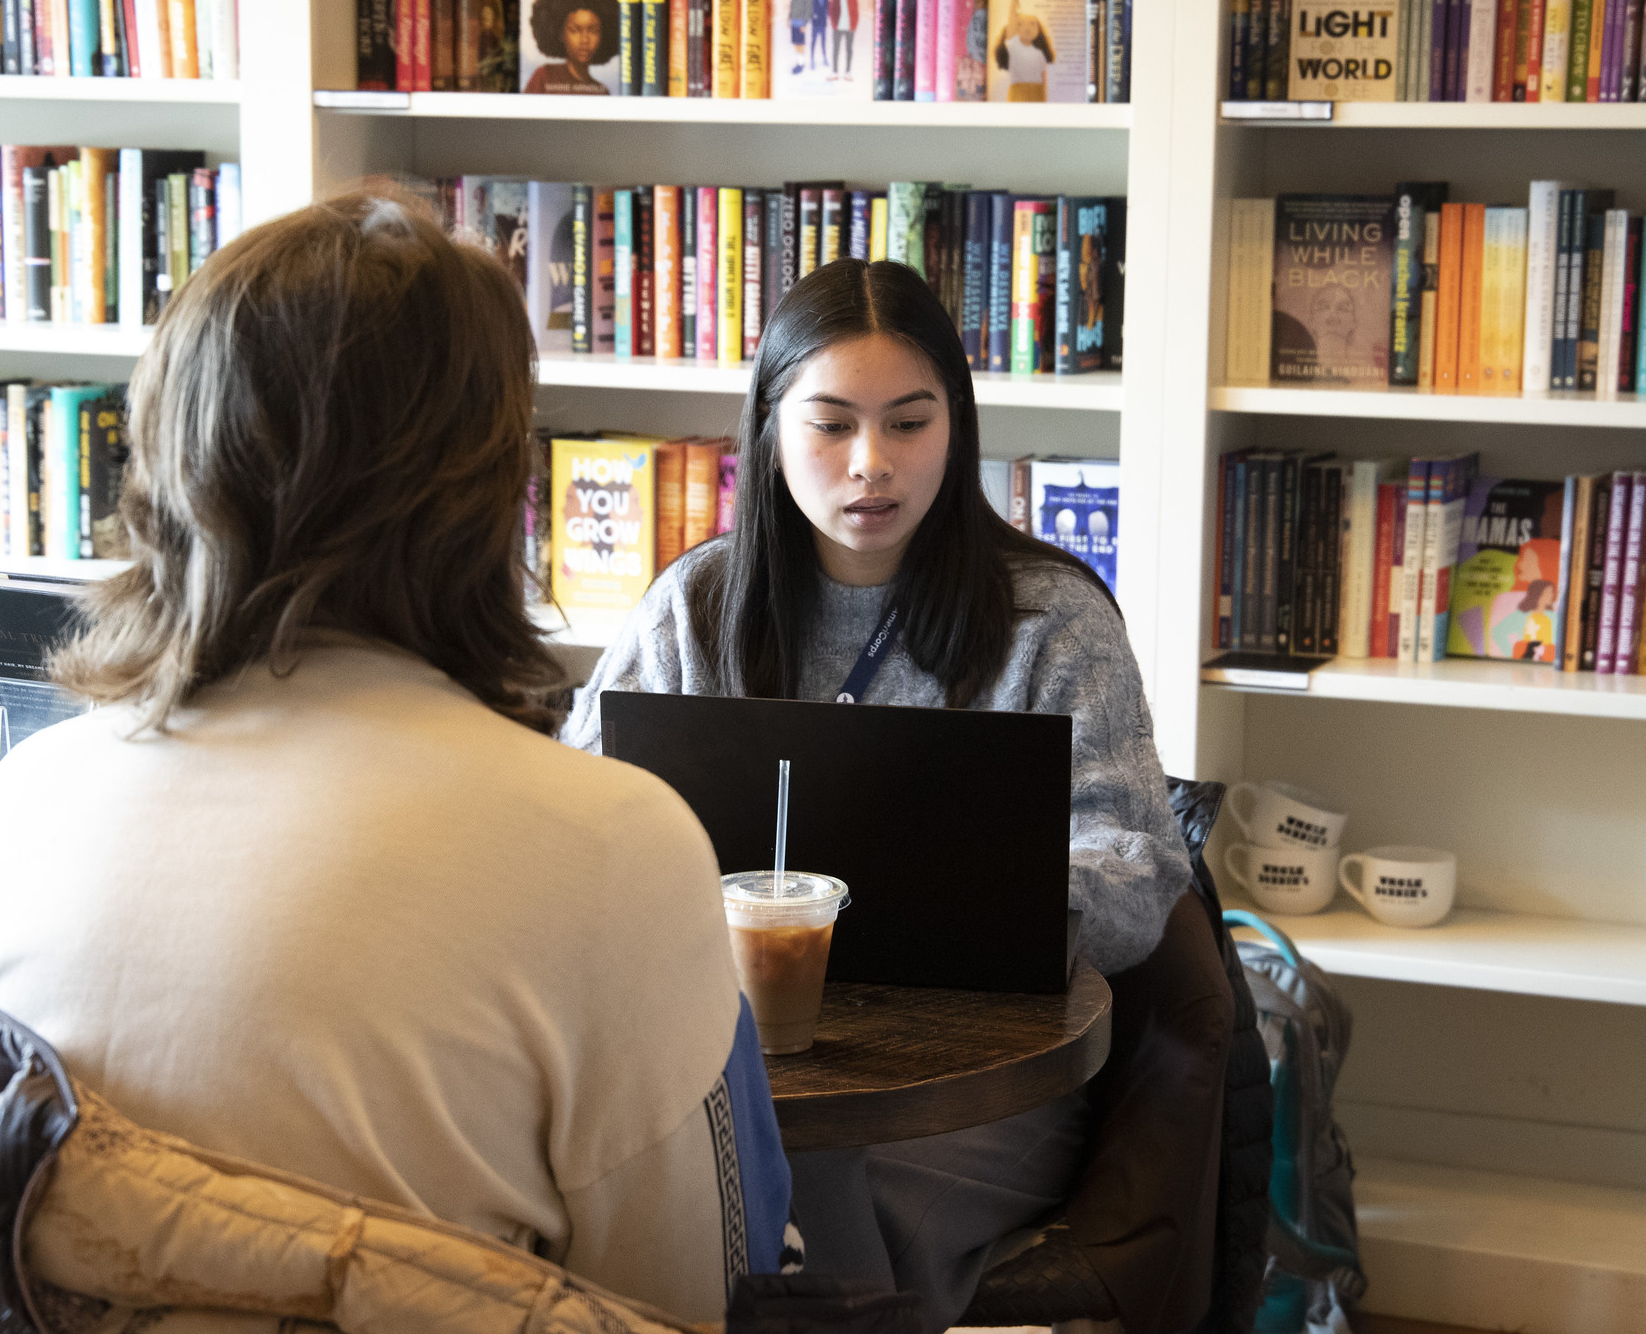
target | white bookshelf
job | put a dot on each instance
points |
(1519, 953)
(197, 92)
(1405, 404)
(730, 111)
(75, 340)
(1512, 116)
(1097, 392)
(1471, 683)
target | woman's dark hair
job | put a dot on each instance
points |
(1534, 594)
(749, 609)
(331, 428)
(549, 26)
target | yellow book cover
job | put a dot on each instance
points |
(729, 266)
(1512, 333)
(754, 69)
(1429, 305)
(602, 531)
(100, 164)
(878, 215)
(185, 56)
(726, 45)
(1491, 302)
(1557, 36)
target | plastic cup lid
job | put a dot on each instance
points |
(800, 889)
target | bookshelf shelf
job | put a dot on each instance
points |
(1566, 409)
(1488, 116)
(734, 111)
(1099, 392)
(1521, 953)
(1470, 683)
(49, 567)
(199, 91)
(95, 340)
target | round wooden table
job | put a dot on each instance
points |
(893, 1063)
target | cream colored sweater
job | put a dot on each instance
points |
(355, 925)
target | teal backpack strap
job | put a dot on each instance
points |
(1276, 937)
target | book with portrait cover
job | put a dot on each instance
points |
(822, 49)
(1333, 259)
(1037, 51)
(1510, 581)
(563, 47)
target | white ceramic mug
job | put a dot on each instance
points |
(1401, 886)
(1276, 815)
(1287, 881)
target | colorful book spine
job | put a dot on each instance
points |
(771, 256)
(623, 233)
(831, 226)
(605, 272)
(1331, 567)
(1529, 64)
(1626, 656)
(1509, 28)
(1411, 562)
(1002, 233)
(654, 48)
(755, 78)
(1389, 500)
(679, 28)
(1477, 61)
(1564, 585)
(903, 60)
(1031, 244)
(708, 199)
(1577, 572)
(725, 46)
(670, 481)
(753, 229)
(879, 228)
(1449, 305)
(666, 249)
(1470, 291)
(1542, 241)
(945, 50)
(810, 230)
(726, 508)
(645, 273)
(688, 271)
(1594, 595)
(857, 232)
(885, 49)
(702, 490)
(925, 51)
(1611, 589)
(974, 302)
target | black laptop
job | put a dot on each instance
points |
(35, 615)
(950, 827)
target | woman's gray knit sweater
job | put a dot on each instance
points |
(1127, 862)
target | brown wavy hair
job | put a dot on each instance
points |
(332, 428)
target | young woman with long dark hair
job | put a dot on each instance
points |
(859, 497)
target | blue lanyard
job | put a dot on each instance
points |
(869, 660)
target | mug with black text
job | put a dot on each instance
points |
(1287, 881)
(1401, 886)
(1277, 815)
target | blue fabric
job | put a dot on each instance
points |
(761, 1164)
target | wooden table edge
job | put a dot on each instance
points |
(810, 1122)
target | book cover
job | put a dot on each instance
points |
(831, 226)
(702, 495)
(679, 28)
(1001, 224)
(602, 537)
(1339, 55)
(1510, 26)
(1509, 576)
(644, 307)
(1037, 51)
(103, 456)
(884, 19)
(1626, 655)
(1291, 466)
(1223, 552)
(974, 301)
(971, 70)
(825, 50)
(906, 224)
(1381, 643)
(654, 46)
(604, 255)
(1079, 296)
(1333, 258)
(729, 281)
(1594, 595)
(688, 270)
(582, 268)
(666, 252)
(1430, 303)
(726, 508)
(1331, 554)
(1449, 299)
(1241, 469)
(857, 228)
(1414, 202)
(670, 501)
(1449, 481)
(708, 252)
(1471, 285)
(1268, 553)
(630, 38)
(1033, 242)
(726, 48)
(1529, 56)
(562, 50)
(442, 46)
(809, 230)
(1577, 58)
(374, 47)
(1542, 241)
(754, 218)
(1074, 504)
(1365, 479)
(1577, 572)
(771, 255)
(1251, 487)
(1593, 272)
(1477, 56)
(1411, 559)
(1628, 356)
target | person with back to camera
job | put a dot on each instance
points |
(858, 495)
(324, 892)
(573, 34)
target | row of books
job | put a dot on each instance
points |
(121, 39)
(1409, 289)
(62, 455)
(1072, 503)
(1425, 560)
(1437, 51)
(883, 50)
(1034, 284)
(105, 235)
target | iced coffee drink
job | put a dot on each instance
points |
(780, 944)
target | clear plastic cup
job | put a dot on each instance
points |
(780, 943)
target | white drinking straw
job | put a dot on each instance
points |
(782, 822)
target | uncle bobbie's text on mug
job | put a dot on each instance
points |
(1401, 886)
(1277, 815)
(1284, 880)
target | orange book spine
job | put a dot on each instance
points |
(162, 12)
(727, 48)
(666, 257)
(671, 501)
(1469, 299)
(1597, 37)
(702, 491)
(679, 27)
(185, 55)
(1451, 286)
(756, 75)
